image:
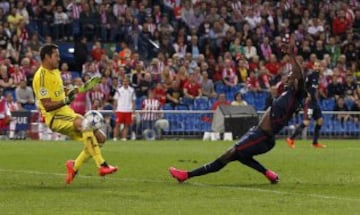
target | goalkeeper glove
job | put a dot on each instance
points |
(70, 96)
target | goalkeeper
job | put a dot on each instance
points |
(59, 117)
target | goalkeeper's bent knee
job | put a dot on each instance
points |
(100, 137)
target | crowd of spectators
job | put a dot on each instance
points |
(183, 49)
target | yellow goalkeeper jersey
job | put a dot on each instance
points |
(48, 84)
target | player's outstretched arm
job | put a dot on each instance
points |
(50, 105)
(298, 71)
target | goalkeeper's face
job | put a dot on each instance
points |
(54, 59)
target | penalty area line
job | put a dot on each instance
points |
(259, 190)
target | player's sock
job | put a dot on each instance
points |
(316, 133)
(207, 168)
(251, 162)
(81, 158)
(298, 130)
(92, 147)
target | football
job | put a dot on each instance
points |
(95, 119)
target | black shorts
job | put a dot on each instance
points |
(254, 142)
(316, 111)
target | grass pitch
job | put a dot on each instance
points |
(312, 181)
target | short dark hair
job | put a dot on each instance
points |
(47, 49)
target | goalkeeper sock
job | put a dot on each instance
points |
(92, 147)
(81, 158)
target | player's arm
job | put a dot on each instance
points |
(50, 105)
(298, 72)
(299, 75)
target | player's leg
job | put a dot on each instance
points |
(260, 143)
(90, 139)
(117, 126)
(319, 121)
(214, 166)
(75, 126)
(127, 123)
(307, 116)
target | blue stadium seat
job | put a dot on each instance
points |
(249, 98)
(349, 103)
(235, 89)
(65, 51)
(168, 106)
(201, 101)
(220, 88)
(260, 99)
(181, 107)
(11, 91)
(29, 107)
(138, 104)
(328, 104)
(211, 101)
(187, 102)
(75, 74)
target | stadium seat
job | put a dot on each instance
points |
(201, 102)
(29, 107)
(138, 104)
(187, 102)
(181, 107)
(66, 51)
(11, 91)
(75, 74)
(249, 98)
(211, 101)
(236, 89)
(168, 106)
(349, 103)
(220, 88)
(328, 104)
(259, 102)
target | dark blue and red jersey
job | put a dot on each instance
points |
(312, 84)
(283, 108)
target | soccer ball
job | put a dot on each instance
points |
(95, 119)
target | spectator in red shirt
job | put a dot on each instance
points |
(273, 66)
(229, 75)
(340, 24)
(254, 63)
(192, 89)
(97, 51)
(253, 82)
(220, 101)
(160, 93)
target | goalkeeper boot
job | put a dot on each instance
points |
(290, 142)
(180, 175)
(106, 169)
(272, 176)
(71, 173)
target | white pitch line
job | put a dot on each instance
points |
(193, 183)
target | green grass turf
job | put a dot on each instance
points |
(312, 181)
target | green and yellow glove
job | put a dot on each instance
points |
(70, 96)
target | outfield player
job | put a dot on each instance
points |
(311, 108)
(259, 139)
(53, 104)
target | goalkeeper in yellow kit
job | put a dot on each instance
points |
(53, 104)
